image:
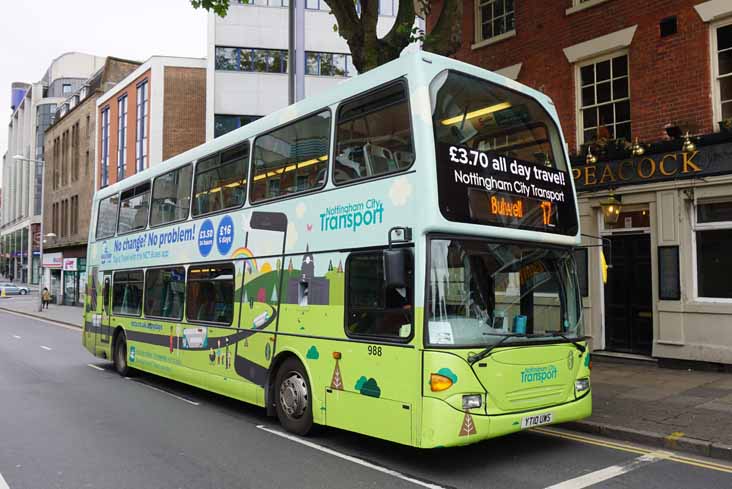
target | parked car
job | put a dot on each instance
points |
(12, 289)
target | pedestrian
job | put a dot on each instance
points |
(45, 297)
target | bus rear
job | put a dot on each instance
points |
(503, 335)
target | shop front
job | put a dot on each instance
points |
(74, 281)
(663, 223)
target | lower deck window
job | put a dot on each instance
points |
(164, 292)
(127, 293)
(210, 293)
(372, 309)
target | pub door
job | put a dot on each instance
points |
(628, 296)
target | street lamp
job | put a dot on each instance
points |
(40, 243)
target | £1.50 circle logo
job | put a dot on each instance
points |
(225, 235)
(205, 238)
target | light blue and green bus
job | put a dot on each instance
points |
(394, 257)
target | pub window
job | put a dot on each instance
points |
(165, 292)
(106, 217)
(372, 309)
(171, 196)
(494, 18)
(210, 293)
(713, 242)
(581, 259)
(723, 68)
(294, 156)
(374, 136)
(605, 99)
(221, 180)
(127, 293)
(133, 208)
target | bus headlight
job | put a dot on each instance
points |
(581, 385)
(472, 401)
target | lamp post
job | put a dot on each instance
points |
(40, 240)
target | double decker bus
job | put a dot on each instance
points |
(394, 258)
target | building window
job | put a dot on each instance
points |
(76, 155)
(66, 88)
(74, 215)
(105, 148)
(121, 137)
(713, 242)
(495, 17)
(227, 123)
(329, 64)
(723, 65)
(141, 136)
(252, 60)
(605, 99)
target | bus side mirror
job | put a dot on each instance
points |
(396, 268)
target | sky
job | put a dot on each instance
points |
(34, 32)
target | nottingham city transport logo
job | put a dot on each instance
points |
(538, 374)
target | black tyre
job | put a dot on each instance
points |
(120, 355)
(23, 291)
(294, 397)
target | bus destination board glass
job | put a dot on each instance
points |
(487, 187)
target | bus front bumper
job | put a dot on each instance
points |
(444, 426)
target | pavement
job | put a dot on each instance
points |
(684, 410)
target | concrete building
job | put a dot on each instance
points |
(69, 182)
(154, 113)
(621, 72)
(33, 105)
(247, 59)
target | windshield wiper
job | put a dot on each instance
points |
(479, 356)
(580, 347)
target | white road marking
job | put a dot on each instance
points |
(355, 460)
(611, 472)
(47, 348)
(3, 484)
(16, 336)
(94, 366)
(194, 403)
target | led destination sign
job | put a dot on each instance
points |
(487, 187)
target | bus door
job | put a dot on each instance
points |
(260, 299)
(376, 377)
(106, 317)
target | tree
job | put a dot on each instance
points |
(356, 23)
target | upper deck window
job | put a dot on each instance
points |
(107, 217)
(133, 208)
(374, 135)
(292, 159)
(171, 196)
(221, 180)
(500, 157)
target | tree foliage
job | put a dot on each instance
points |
(357, 20)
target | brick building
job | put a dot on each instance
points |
(621, 71)
(69, 182)
(156, 112)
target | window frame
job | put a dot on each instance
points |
(714, 66)
(122, 110)
(346, 298)
(97, 237)
(142, 299)
(152, 195)
(142, 125)
(104, 160)
(579, 117)
(403, 81)
(696, 227)
(135, 194)
(275, 129)
(185, 290)
(478, 40)
(234, 317)
(248, 178)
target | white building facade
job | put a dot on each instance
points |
(33, 106)
(247, 58)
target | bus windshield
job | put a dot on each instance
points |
(500, 159)
(479, 292)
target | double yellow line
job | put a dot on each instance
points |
(704, 464)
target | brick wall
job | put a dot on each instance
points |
(184, 110)
(670, 77)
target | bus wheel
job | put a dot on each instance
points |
(294, 407)
(120, 355)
